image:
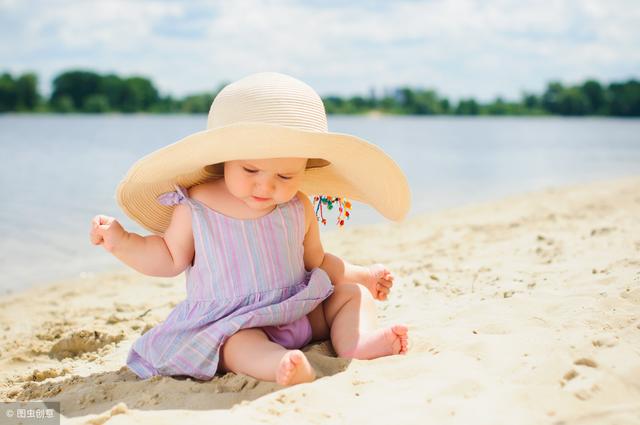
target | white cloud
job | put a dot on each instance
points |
(462, 48)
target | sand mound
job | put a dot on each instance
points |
(83, 341)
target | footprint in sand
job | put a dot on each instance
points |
(547, 249)
(600, 231)
(582, 380)
(606, 340)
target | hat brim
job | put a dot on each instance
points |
(357, 169)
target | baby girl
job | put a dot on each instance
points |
(229, 207)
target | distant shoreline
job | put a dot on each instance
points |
(79, 90)
(368, 114)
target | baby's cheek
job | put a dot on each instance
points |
(286, 193)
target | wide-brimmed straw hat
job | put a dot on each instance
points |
(266, 115)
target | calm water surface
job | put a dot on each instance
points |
(59, 171)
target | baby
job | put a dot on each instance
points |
(259, 284)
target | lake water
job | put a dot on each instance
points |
(57, 172)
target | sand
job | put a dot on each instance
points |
(525, 310)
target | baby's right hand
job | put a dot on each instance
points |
(106, 231)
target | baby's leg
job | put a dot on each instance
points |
(250, 352)
(350, 313)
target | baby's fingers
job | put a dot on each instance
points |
(382, 292)
(95, 236)
(98, 224)
(97, 239)
(104, 221)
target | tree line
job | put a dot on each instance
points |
(83, 91)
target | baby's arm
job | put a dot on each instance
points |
(166, 255)
(376, 278)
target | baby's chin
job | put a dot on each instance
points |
(260, 205)
(267, 203)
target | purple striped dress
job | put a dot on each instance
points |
(245, 274)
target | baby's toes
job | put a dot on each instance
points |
(402, 333)
(285, 371)
(387, 283)
(383, 291)
(404, 345)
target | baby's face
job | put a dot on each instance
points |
(264, 183)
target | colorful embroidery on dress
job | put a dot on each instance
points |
(329, 201)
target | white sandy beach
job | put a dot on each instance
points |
(521, 311)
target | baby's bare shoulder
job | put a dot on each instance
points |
(308, 208)
(305, 200)
(205, 192)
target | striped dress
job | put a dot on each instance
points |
(245, 274)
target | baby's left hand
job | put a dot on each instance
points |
(380, 282)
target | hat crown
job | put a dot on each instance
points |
(269, 98)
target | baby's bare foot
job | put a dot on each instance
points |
(382, 342)
(294, 368)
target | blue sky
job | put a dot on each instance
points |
(461, 48)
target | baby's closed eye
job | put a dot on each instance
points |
(253, 171)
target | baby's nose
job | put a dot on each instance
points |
(266, 187)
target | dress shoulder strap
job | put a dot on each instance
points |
(178, 196)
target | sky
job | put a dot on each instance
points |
(480, 49)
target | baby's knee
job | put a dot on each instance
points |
(243, 336)
(237, 344)
(350, 290)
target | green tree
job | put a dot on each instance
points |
(388, 104)
(445, 106)
(531, 101)
(197, 104)
(573, 102)
(75, 85)
(139, 94)
(333, 104)
(595, 95)
(8, 94)
(359, 103)
(63, 104)
(552, 97)
(96, 103)
(625, 99)
(497, 107)
(27, 92)
(467, 107)
(167, 104)
(113, 88)
(419, 102)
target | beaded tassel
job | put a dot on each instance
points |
(343, 208)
